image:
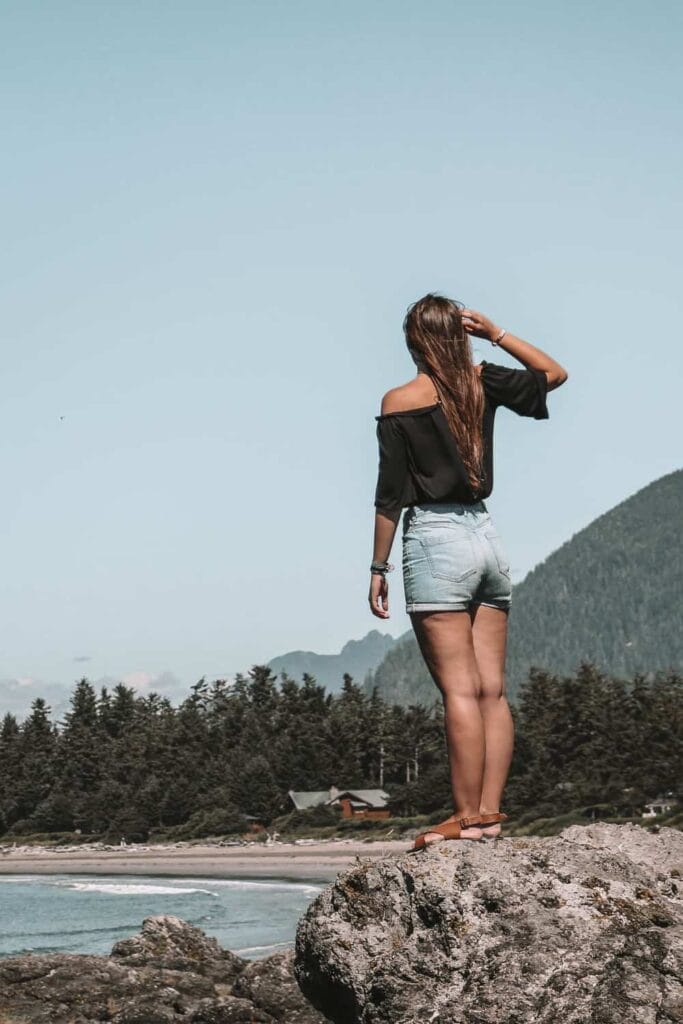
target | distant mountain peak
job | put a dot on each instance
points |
(357, 658)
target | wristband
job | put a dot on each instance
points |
(500, 337)
(381, 568)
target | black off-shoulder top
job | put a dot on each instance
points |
(418, 455)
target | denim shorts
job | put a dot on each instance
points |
(453, 558)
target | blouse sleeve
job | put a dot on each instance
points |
(392, 472)
(523, 391)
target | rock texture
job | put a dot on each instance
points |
(581, 928)
(170, 972)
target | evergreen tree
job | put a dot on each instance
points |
(10, 771)
(349, 736)
(36, 749)
(257, 791)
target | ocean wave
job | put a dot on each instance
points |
(243, 883)
(19, 879)
(132, 889)
(263, 949)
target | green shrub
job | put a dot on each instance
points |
(49, 838)
(221, 821)
(362, 824)
(312, 817)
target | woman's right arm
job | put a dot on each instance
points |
(533, 358)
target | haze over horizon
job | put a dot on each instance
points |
(215, 218)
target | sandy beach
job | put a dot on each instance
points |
(319, 860)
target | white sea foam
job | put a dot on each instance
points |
(22, 879)
(243, 883)
(129, 889)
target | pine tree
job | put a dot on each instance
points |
(37, 744)
(257, 792)
(10, 771)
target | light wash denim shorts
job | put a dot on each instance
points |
(453, 558)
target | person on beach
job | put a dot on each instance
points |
(435, 437)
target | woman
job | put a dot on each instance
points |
(435, 437)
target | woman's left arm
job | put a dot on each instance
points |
(385, 531)
(392, 476)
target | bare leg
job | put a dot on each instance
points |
(446, 643)
(489, 634)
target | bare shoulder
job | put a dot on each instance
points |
(405, 397)
(416, 394)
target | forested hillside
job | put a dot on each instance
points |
(125, 765)
(610, 595)
(402, 677)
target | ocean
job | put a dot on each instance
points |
(89, 913)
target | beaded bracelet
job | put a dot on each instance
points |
(500, 337)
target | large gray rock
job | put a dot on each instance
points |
(170, 972)
(168, 942)
(581, 928)
(270, 985)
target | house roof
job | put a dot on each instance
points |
(305, 799)
(373, 797)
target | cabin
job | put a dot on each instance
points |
(660, 805)
(353, 803)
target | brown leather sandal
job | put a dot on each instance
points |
(492, 818)
(449, 830)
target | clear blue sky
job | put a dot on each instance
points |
(215, 216)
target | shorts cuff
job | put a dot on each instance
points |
(442, 606)
(502, 605)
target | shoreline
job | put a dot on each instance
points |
(315, 861)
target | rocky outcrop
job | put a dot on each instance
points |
(581, 928)
(170, 972)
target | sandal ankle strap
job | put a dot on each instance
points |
(469, 822)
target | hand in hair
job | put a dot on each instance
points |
(479, 325)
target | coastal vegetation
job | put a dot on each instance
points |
(124, 765)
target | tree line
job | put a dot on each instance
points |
(124, 764)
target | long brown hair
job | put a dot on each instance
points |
(434, 330)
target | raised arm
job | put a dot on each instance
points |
(529, 355)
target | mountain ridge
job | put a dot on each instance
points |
(357, 658)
